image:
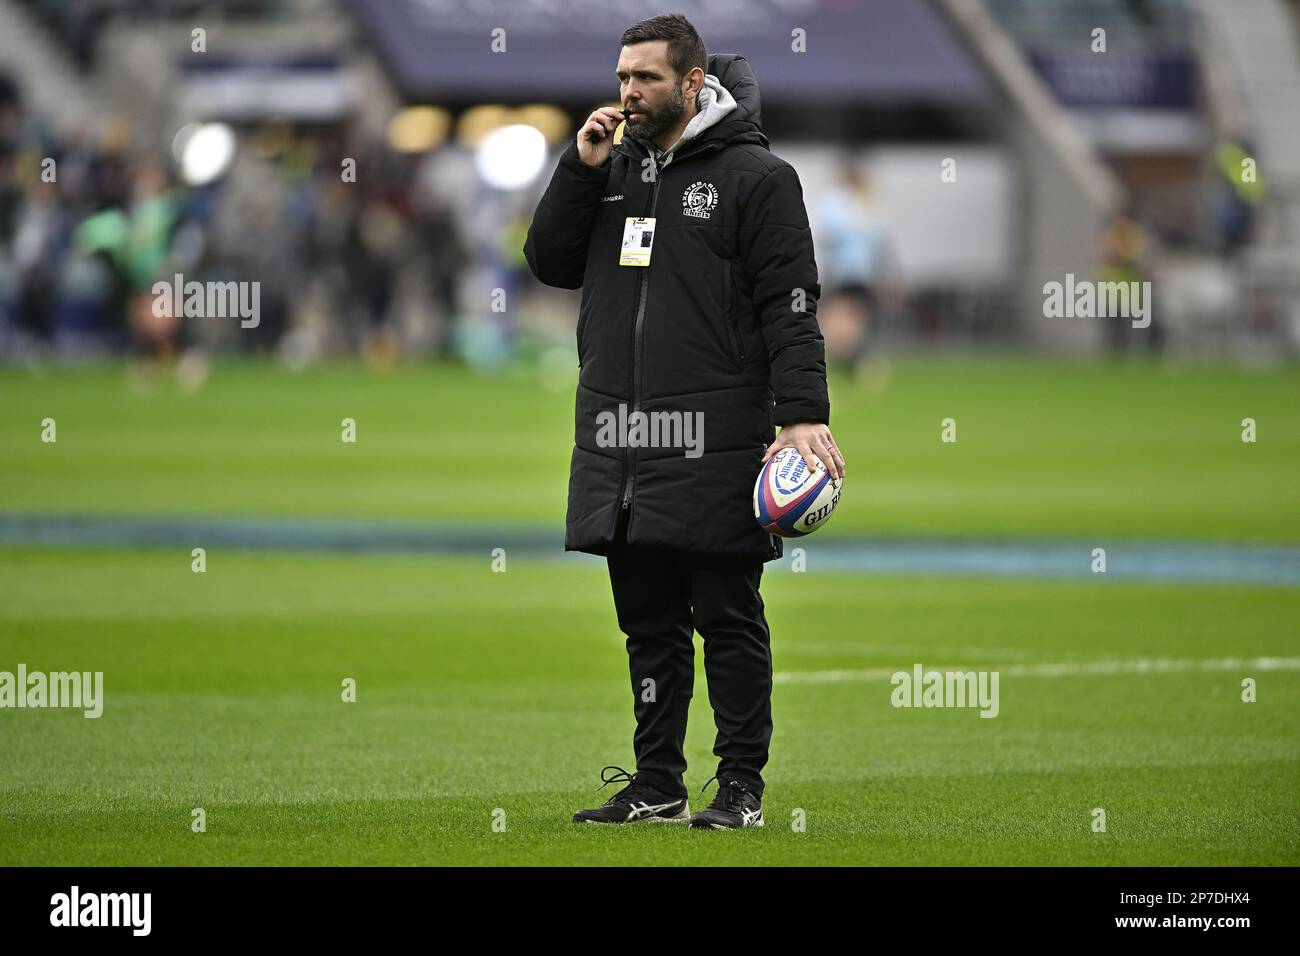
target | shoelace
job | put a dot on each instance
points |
(622, 776)
(729, 796)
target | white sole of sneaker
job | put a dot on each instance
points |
(719, 826)
(682, 817)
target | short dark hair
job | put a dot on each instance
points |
(685, 48)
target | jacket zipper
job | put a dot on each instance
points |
(731, 319)
(629, 455)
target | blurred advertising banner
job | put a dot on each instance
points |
(852, 49)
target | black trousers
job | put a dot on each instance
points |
(662, 597)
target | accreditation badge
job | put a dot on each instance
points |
(638, 240)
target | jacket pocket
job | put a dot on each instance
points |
(731, 314)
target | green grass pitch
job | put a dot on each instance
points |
(1042, 448)
(480, 692)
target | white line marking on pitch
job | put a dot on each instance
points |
(1072, 669)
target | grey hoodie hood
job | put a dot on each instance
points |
(715, 103)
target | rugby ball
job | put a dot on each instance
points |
(791, 499)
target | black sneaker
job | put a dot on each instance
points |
(635, 803)
(734, 807)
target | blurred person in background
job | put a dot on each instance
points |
(151, 218)
(1123, 255)
(1235, 196)
(853, 251)
(443, 252)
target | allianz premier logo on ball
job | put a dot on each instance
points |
(792, 475)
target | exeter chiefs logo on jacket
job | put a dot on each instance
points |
(699, 200)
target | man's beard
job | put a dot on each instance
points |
(654, 124)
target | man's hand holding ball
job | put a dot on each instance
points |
(811, 440)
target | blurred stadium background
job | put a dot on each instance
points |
(227, 162)
(399, 297)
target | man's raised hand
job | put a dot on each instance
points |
(596, 138)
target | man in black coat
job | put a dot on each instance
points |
(697, 335)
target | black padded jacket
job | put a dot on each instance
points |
(721, 326)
